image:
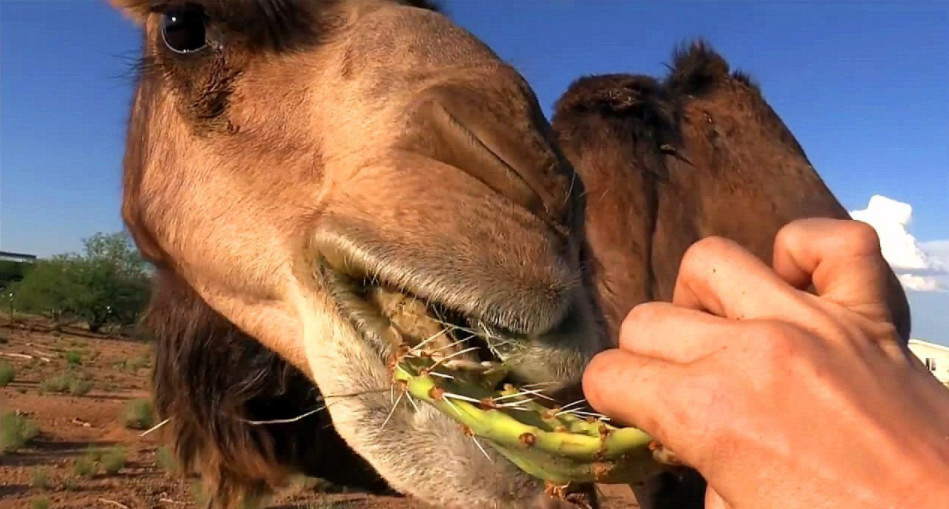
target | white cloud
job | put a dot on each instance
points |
(920, 283)
(918, 265)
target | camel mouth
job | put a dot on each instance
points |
(394, 319)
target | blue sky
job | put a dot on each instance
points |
(863, 85)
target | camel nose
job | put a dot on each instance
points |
(499, 138)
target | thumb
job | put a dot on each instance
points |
(635, 390)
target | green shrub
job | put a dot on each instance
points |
(7, 373)
(138, 414)
(70, 484)
(73, 358)
(39, 503)
(165, 459)
(86, 465)
(15, 431)
(109, 461)
(113, 460)
(58, 383)
(144, 360)
(80, 387)
(67, 382)
(39, 479)
(199, 493)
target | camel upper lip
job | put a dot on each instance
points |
(358, 299)
(528, 308)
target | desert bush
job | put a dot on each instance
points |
(199, 493)
(7, 373)
(144, 360)
(15, 431)
(70, 484)
(112, 460)
(138, 414)
(84, 467)
(39, 503)
(39, 479)
(109, 461)
(87, 464)
(166, 460)
(73, 358)
(68, 382)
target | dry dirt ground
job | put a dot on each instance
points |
(49, 468)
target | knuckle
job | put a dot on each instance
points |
(643, 312)
(859, 236)
(595, 377)
(705, 249)
(637, 318)
(790, 232)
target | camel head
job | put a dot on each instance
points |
(337, 179)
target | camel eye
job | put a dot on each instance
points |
(184, 29)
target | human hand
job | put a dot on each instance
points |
(779, 397)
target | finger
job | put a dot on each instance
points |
(674, 334)
(719, 276)
(842, 259)
(633, 390)
(844, 262)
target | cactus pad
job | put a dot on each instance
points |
(554, 444)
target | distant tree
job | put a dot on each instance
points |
(106, 284)
(118, 251)
(12, 272)
(48, 287)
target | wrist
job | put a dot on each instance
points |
(926, 478)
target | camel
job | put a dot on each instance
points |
(699, 154)
(665, 164)
(311, 200)
(334, 179)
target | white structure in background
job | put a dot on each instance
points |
(935, 357)
(914, 267)
(16, 257)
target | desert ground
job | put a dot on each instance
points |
(72, 423)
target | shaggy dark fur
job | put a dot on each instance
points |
(210, 380)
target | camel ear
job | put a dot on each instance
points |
(136, 10)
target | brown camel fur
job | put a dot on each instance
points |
(290, 179)
(667, 163)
